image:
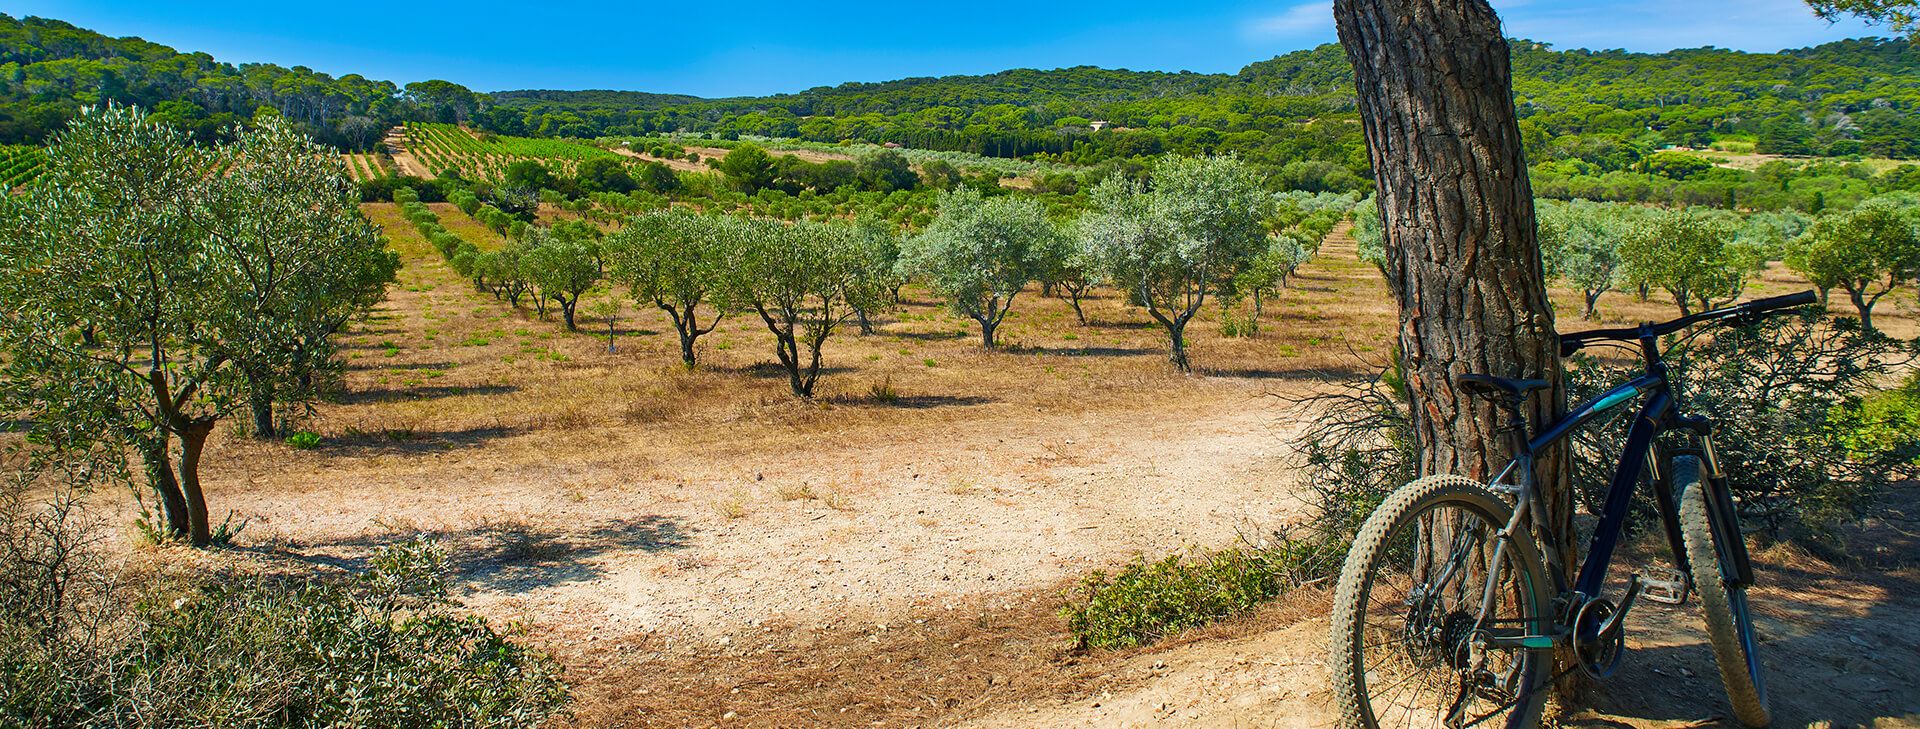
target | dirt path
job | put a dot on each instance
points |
(1839, 651)
(403, 160)
(677, 163)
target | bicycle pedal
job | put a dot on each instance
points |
(1664, 585)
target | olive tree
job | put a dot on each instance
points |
(143, 275)
(980, 252)
(1189, 237)
(674, 259)
(1684, 252)
(1069, 268)
(1581, 242)
(877, 253)
(1268, 272)
(797, 278)
(563, 262)
(1865, 252)
(302, 262)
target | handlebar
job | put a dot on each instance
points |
(1737, 315)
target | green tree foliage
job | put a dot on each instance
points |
(1070, 269)
(302, 261)
(605, 174)
(1684, 252)
(53, 69)
(1189, 237)
(980, 253)
(1866, 252)
(659, 178)
(141, 276)
(674, 260)
(748, 169)
(877, 253)
(530, 174)
(885, 170)
(1580, 241)
(563, 263)
(797, 278)
(1900, 14)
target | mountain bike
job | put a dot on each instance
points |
(1448, 612)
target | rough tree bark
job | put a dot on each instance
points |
(1435, 94)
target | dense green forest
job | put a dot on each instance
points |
(1595, 122)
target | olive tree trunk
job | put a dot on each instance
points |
(1436, 101)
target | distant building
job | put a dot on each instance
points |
(891, 145)
(1099, 125)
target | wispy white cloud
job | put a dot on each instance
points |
(1313, 18)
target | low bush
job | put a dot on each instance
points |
(1147, 600)
(82, 646)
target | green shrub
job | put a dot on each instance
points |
(1238, 325)
(1808, 438)
(388, 649)
(1145, 601)
(304, 440)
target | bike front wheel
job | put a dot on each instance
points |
(1429, 611)
(1710, 539)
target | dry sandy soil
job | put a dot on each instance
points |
(403, 160)
(702, 549)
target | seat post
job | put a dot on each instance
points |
(1516, 423)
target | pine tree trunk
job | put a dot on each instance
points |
(1435, 93)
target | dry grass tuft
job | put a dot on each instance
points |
(731, 506)
(794, 492)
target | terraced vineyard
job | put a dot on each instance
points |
(20, 165)
(444, 146)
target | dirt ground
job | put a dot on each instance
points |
(403, 160)
(702, 549)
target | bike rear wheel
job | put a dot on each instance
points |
(1723, 601)
(1407, 646)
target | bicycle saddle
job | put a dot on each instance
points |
(1488, 385)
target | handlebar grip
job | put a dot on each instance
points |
(1781, 302)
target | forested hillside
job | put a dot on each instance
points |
(1585, 114)
(50, 69)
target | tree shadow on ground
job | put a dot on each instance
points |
(406, 393)
(1836, 648)
(1098, 324)
(909, 402)
(404, 439)
(1304, 374)
(1086, 351)
(931, 336)
(773, 370)
(366, 364)
(507, 555)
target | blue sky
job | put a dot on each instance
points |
(752, 47)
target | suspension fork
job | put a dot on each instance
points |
(1723, 518)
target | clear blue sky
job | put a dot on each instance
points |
(753, 47)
